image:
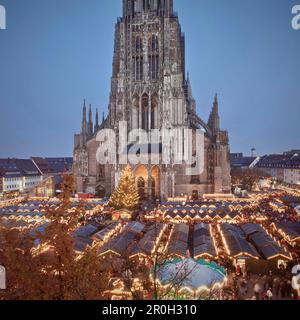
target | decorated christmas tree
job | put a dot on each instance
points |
(125, 195)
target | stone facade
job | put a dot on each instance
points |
(150, 90)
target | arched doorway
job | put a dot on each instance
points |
(141, 174)
(100, 191)
(152, 186)
(155, 182)
(141, 185)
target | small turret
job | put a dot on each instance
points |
(96, 129)
(90, 124)
(214, 118)
(84, 123)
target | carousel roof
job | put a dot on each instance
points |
(191, 276)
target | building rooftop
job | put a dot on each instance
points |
(242, 162)
(285, 161)
(11, 168)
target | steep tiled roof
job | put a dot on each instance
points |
(27, 167)
(286, 161)
(59, 165)
(42, 165)
(242, 162)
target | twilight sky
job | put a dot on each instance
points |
(57, 52)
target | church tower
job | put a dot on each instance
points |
(150, 90)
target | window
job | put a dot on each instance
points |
(154, 107)
(135, 112)
(138, 45)
(153, 49)
(145, 113)
(138, 59)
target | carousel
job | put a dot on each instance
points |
(190, 279)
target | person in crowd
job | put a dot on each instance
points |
(264, 279)
(269, 294)
(282, 289)
(257, 290)
(276, 284)
(289, 288)
(270, 280)
(238, 270)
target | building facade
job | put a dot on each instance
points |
(150, 90)
(283, 167)
(18, 175)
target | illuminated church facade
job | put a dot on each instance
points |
(150, 90)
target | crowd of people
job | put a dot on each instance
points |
(260, 287)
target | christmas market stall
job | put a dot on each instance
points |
(149, 244)
(290, 231)
(177, 246)
(121, 244)
(82, 237)
(203, 243)
(107, 232)
(239, 250)
(273, 256)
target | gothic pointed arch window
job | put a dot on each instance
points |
(153, 5)
(138, 6)
(145, 111)
(138, 58)
(153, 49)
(138, 45)
(135, 112)
(154, 111)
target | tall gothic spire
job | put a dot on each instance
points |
(84, 123)
(214, 118)
(90, 124)
(97, 121)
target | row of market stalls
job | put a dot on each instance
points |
(247, 245)
(28, 213)
(290, 231)
(197, 215)
(231, 212)
(250, 246)
(177, 241)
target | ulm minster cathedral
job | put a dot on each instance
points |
(150, 90)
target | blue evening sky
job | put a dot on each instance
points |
(54, 53)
